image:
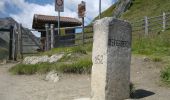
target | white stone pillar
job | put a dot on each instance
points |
(111, 60)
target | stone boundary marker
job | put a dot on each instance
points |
(111, 60)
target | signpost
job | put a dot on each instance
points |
(59, 6)
(81, 14)
(99, 9)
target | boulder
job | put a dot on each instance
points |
(52, 77)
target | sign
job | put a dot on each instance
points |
(59, 5)
(81, 9)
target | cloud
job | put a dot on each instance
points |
(29, 9)
(2, 6)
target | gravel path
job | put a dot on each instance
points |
(144, 74)
(146, 77)
(34, 87)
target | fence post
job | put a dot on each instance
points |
(19, 41)
(83, 30)
(11, 43)
(14, 43)
(164, 21)
(47, 37)
(52, 36)
(146, 25)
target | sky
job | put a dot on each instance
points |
(23, 10)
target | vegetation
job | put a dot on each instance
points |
(158, 45)
(3, 53)
(75, 49)
(141, 8)
(80, 66)
(75, 60)
(165, 74)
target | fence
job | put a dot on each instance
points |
(152, 24)
(67, 36)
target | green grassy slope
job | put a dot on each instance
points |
(149, 8)
(141, 8)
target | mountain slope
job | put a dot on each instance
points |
(140, 8)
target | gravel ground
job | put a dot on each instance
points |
(144, 74)
(34, 87)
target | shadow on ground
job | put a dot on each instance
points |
(140, 93)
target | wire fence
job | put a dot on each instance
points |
(154, 24)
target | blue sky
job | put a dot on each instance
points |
(23, 10)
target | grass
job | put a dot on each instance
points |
(75, 60)
(165, 74)
(158, 45)
(141, 8)
(82, 49)
(157, 48)
(80, 66)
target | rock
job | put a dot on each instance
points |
(4, 61)
(146, 59)
(41, 59)
(52, 76)
(56, 57)
(35, 59)
(83, 99)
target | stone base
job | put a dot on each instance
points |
(83, 99)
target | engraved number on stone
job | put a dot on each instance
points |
(99, 59)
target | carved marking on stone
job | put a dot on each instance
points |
(119, 43)
(99, 59)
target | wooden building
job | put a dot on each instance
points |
(39, 22)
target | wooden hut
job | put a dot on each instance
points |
(39, 22)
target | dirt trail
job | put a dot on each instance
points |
(145, 76)
(34, 87)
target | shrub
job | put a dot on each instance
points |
(165, 74)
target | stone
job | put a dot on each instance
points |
(83, 99)
(146, 59)
(4, 61)
(111, 60)
(52, 76)
(41, 59)
(56, 57)
(35, 59)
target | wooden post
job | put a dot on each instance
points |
(52, 36)
(164, 22)
(10, 43)
(19, 41)
(146, 25)
(83, 30)
(47, 37)
(15, 39)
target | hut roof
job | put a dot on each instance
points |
(39, 21)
